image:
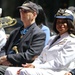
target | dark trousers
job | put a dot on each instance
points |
(2, 69)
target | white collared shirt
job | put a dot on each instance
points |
(2, 37)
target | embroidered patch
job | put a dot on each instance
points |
(62, 42)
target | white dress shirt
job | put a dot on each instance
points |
(2, 38)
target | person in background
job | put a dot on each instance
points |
(2, 33)
(25, 43)
(41, 21)
(58, 54)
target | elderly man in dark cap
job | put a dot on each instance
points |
(25, 43)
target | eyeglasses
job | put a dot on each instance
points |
(63, 22)
(58, 23)
(25, 11)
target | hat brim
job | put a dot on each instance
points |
(65, 17)
(23, 7)
(60, 17)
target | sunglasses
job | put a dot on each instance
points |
(25, 11)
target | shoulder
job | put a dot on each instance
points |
(2, 31)
(36, 29)
(72, 35)
(45, 27)
(38, 32)
(70, 39)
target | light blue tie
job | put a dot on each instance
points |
(24, 31)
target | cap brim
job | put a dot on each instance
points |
(60, 17)
(63, 17)
(23, 7)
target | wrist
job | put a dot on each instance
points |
(3, 58)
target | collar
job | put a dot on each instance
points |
(64, 35)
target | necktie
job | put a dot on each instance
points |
(56, 38)
(24, 31)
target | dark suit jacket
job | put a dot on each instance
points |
(30, 45)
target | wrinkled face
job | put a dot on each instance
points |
(61, 26)
(26, 15)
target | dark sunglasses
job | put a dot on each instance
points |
(25, 11)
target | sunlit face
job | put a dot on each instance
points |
(26, 15)
(61, 26)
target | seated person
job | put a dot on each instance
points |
(41, 21)
(26, 42)
(58, 54)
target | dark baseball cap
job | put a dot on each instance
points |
(29, 6)
(64, 13)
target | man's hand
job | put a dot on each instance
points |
(6, 63)
(68, 73)
(27, 65)
(3, 61)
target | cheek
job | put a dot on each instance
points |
(58, 27)
(21, 15)
(66, 27)
(31, 16)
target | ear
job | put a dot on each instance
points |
(35, 14)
